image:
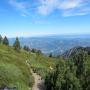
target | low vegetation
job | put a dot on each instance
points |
(72, 73)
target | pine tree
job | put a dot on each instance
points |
(16, 44)
(50, 55)
(26, 48)
(5, 41)
(1, 39)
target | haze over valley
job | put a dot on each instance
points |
(55, 44)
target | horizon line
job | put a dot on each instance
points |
(48, 35)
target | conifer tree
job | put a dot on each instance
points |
(26, 48)
(50, 55)
(5, 41)
(1, 39)
(16, 44)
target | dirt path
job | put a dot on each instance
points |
(38, 84)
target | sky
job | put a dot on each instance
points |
(26, 18)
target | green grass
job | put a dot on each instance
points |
(41, 64)
(14, 71)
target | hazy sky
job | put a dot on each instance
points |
(44, 17)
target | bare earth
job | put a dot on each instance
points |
(38, 83)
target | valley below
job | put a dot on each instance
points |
(56, 44)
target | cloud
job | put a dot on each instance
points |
(73, 13)
(65, 7)
(46, 7)
(20, 6)
(75, 8)
(69, 4)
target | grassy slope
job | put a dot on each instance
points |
(14, 72)
(42, 64)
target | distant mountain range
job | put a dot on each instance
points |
(55, 44)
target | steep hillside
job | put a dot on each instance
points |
(14, 71)
(70, 53)
(41, 64)
(15, 67)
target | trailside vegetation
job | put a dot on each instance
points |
(71, 74)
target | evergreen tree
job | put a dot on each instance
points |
(26, 48)
(34, 50)
(79, 59)
(71, 74)
(1, 39)
(39, 52)
(50, 55)
(5, 41)
(16, 44)
(63, 77)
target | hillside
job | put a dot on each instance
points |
(25, 70)
(15, 67)
(70, 53)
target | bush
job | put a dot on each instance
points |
(73, 74)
